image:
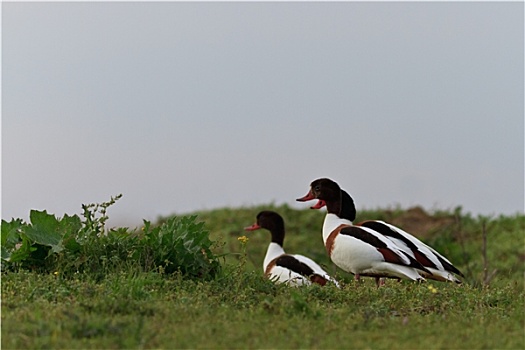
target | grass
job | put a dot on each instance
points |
(238, 308)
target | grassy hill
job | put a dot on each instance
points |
(129, 306)
(456, 235)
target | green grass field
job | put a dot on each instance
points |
(130, 306)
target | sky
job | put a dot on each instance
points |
(184, 106)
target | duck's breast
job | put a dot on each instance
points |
(353, 255)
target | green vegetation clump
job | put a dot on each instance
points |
(72, 245)
(196, 281)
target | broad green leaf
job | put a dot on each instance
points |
(45, 230)
(5, 254)
(10, 237)
(69, 226)
(10, 233)
(23, 250)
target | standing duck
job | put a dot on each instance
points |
(441, 269)
(358, 249)
(293, 269)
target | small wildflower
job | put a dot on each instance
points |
(243, 239)
(55, 273)
(432, 289)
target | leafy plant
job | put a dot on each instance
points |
(95, 216)
(179, 244)
(70, 245)
(29, 245)
(14, 246)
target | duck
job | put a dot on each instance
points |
(280, 267)
(441, 269)
(359, 250)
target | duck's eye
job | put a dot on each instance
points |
(317, 188)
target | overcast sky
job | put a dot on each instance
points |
(188, 106)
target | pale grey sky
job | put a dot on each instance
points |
(187, 106)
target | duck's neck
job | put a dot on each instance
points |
(334, 206)
(274, 250)
(348, 211)
(343, 206)
(331, 222)
(277, 235)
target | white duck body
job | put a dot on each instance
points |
(361, 258)
(281, 274)
(438, 267)
(437, 264)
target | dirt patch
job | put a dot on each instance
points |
(418, 222)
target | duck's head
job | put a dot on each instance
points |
(272, 222)
(324, 190)
(268, 220)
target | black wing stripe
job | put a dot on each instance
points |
(363, 235)
(387, 231)
(449, 267)
(416, 264)
(291, 263)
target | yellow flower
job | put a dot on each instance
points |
(243, 239)
(56, 273)
(432, 289)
